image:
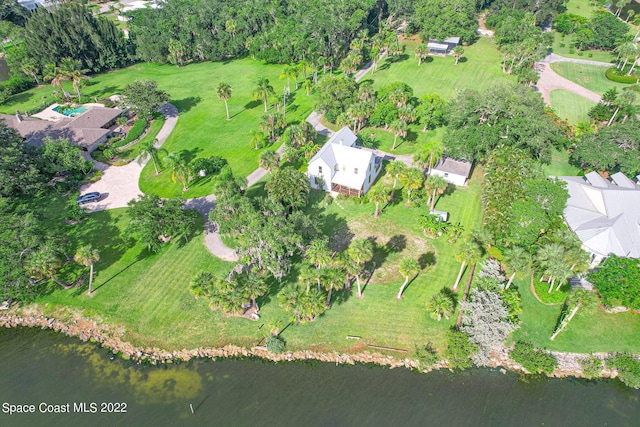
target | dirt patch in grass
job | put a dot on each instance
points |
(391, 244)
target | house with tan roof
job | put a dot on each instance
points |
(604, 214)
(86, 130)
(341, 167)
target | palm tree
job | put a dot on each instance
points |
(179, 169)
(429, 155)
(87, 256)
(576, 300)
(308, 86)
(412, 179)
(262, 91)
(258, 138)
(441, 305)
(72, 70)
(437, 186)
(407, 113)
(399, 128)
(458, 51)
(360, 251)
(395, 169)
(333, 278)
(223, 91)
(626, 50)
(550, 260)
(422, 51)
(54, 74)
(307, 276)
(148, 150)
(408, 267)
(43, 263)
(468, 252)
(269, 160)
(625, 99)
(289, 72)
(319, 254)
(378, 194)
(517, 260)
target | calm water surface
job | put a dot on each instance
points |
(44, 367)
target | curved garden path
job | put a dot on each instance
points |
(550, 80)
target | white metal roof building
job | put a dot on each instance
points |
(342, 167)
(605, 214)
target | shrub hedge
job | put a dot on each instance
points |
(612, 74)
(533, 359)
(628, 369)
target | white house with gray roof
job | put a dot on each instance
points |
(342, 167)
(453, 171)
(605, 214)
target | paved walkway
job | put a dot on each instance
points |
(550, 80)
(212, 238)
(119, 184)
(552, 57)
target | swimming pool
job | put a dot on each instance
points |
(70, 111)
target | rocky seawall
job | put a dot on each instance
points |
(107, 337)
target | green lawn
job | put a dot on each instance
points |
(571, 106)
(581, 7)
(478, 69)
(571, 52)
(592, 330)
(560, 166)
(590, 76)
(148, 294)
(202, 130)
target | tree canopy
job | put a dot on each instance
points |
(509, 115)
(144, 97)
(439, 19)
(71, 31)
(618, 282)
(20, 165)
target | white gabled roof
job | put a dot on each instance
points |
(340, 149)
(605, 216)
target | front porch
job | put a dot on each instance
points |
(347, 191)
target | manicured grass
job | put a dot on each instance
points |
(148, 294)
(571, 106)
(560, 166)
(479, 69)
(592, 330)
(581, 7)
(569, 51)
(408, 145)
(202, 130)
(590, 76)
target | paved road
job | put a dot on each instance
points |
(120, 183)
(550, 80)
(211, 237)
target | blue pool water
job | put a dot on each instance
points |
(70, 111)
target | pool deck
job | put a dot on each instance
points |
(53, 116)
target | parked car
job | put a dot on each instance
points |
(88, 198)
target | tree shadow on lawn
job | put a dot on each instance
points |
(144, 253)
(103, 91)
(186, 104)
(100, 231)
(196, 228)
(396, 244)
(19, 98)
(250, 106)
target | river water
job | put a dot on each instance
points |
(45, 369)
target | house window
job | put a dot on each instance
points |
(369, 167)
(355, 171)
(320, 169)
(369, 179)
(446, 174)
(335, 168)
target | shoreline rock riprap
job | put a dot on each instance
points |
(88, 330)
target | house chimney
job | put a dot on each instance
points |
(18, 116)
